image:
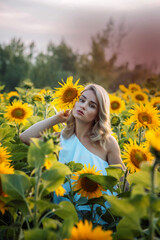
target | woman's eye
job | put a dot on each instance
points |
(81, 100)
(92, 106)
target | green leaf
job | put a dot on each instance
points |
(66, 209)
(20, 205)
(125, 230)
(131, 209)
(37, 152)
(15, 185)
(143, 177)
(107, 182)
(115, 172)
(65, 230)
(39, 234)
(19, 156)
(43, 205)
(50, 223)
(55, 176)
(75, 166)
(7, 133)
(2, 87)
(81, 201)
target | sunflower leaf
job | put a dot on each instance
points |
(66, 209)
(107, 182)
(15, 185)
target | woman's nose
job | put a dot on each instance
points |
(83, 106)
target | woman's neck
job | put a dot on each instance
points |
(82, 129)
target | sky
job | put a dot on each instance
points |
(74, 21)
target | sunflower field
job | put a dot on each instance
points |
(30, 176)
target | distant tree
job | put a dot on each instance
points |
(59, 62)
(14, 63)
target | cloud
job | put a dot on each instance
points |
(76, 21)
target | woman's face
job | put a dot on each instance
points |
(86, 109)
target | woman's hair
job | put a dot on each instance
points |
(101, 127)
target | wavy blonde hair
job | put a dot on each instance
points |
(101, 127)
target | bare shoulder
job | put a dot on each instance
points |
(112, 143)
(114, 154)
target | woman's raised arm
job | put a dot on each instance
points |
(35, 130)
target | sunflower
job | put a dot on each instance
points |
(4, 155)
(56, 128)
(153, 137)
(38, 98)
(157, 94)
(145, 90)
(45, 91)
(60, 191)
(85, 186)
(134, 154)
(139, 96)
(5, 168)
(127, 96)
(67, 95)
(117, 105)
(155, 102)
(84, 230)
(143, 116)
(11, 94)
(18, 112)
(115, 120)
(123, 88)
(134, 87)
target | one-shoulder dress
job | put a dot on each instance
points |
(74, 150)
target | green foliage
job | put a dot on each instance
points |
(16, 185)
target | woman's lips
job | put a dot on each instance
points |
(80, 112)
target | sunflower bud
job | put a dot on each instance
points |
(48, 98)
(13, 98)
(115, 121)
(27, 84)
(152, 91)
(37, 98)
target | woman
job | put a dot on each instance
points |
(87, 137)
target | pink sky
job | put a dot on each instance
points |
(77, 21)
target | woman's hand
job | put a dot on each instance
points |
(63, 116)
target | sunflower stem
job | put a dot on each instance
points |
(46, 111)
(38, 174)
(119, 132)
(140, 135)
(151, 226)
(18, 129)
(124, 180)
(71, 190)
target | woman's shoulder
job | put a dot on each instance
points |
(111, 142)
(111, 138)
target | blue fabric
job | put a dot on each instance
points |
(74, 150)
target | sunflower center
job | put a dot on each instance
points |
(157, 105)
(139, 97)
(137, 156)
(69, 95)
(143, 117)
(18, 113)
(133, 89)
(115, 105)
(88, 185)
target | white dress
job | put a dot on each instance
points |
(74, 150)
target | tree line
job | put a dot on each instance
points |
(19, 61)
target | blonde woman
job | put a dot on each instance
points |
(87, 136)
